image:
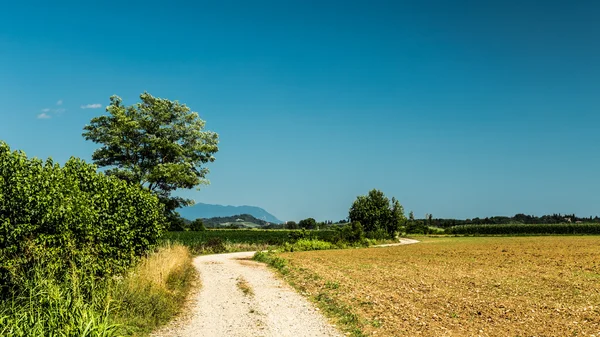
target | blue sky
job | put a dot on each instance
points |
(456, 108)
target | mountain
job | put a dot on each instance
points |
(200, 210)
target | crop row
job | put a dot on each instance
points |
(250, 236)
(524, 229)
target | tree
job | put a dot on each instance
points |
(308, 223)
(175, 222)
(197, 225)
(291, 225)
(375, 212)
(157, 143)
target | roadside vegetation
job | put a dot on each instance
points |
(80, 250)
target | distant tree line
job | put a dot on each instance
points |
(516, 219)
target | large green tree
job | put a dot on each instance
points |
(157, 143)
(308, 223)
(376, 212)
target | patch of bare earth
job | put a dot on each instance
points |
(498, 286)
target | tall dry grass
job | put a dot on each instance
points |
(153, 292)
(147, 297)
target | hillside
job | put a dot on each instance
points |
(241, 220)
(206, 211)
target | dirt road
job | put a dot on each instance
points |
(241, 297)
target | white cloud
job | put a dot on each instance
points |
(47, 112)
(91, 106)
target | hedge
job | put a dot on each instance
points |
(70, 217)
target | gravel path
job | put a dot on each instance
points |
(271, 308)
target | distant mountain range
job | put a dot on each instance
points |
(205, 211)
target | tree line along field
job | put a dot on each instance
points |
(458, 286)
(221, 240)
(525, 229)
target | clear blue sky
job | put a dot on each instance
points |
(457, 108)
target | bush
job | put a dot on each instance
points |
(417, 227)
(175, 222)
(294, 236)
(351, 233)
(216, 245)
(378, 234)
(70, 218)
(197, 225)
(273, 260)
(307, 244)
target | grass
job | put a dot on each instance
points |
(147, 297)
(243, 285)
(154, 291)
(456, 286)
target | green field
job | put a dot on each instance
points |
(229, 240)
(527, 229)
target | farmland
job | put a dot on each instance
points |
(527, 229)
(221, 240)
(494, 286)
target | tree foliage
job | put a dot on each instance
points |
(291, 225)
(352, 232)
(197, 225)
(157, 143)
(376, 213)
(70, 217)
(308, 223)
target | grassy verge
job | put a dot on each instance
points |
(148, 296)
(154, 291)
(342, 314)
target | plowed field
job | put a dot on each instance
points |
(502, 286)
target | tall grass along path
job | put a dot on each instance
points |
(269, 308)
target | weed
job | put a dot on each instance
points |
(332, 285)
(244, 286)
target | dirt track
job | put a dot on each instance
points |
(270, 309)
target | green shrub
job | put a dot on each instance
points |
(307, 244)
(197, 225)
(350, 233)
(70, 218)
(216, 245)
(378, 234)
(273, 260)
